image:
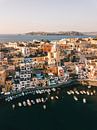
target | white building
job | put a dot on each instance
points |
(25, 51)
(12, 44)
(23, 75)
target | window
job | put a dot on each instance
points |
(22, 83)
(22, 67)
(21, 76)
(28, 82)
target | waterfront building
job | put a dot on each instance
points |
(23, 74)
(3, 76)
(8, 84)
(60, 71)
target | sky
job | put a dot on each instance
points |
(22, 16)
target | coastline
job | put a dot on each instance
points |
(27, 38)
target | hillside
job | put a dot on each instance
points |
(69, 33)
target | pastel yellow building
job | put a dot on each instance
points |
(8, 85)
(2, 77)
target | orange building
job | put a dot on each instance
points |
(53, 70)
(46, 47)
(40, 59)
(63, 46)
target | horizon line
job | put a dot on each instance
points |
(46, 32)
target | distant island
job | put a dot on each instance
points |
(69, 33)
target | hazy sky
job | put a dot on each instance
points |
(20, 16)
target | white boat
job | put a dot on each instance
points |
(81, 92)
(75, 98)
(24, 103)
(52, 98)
(28, 102)
(44, 106)
(91, 93)
(56, 97)
(89, 86)
(13, 106)
(88, 93)
(68, 93)
(32, 101)
(71, 91)
(53, 89)
(84, 100)
(37, 100)
(19, 104)
(77, 92)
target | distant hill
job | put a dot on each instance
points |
(91, 33)
(69, 33)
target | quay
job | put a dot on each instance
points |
(88, 82)
(19, 93)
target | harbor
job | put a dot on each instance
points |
(33, 96)
(63, 107)
(48, 85)
(48, 65)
